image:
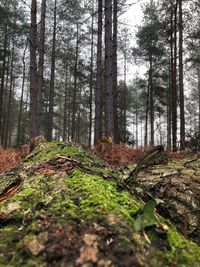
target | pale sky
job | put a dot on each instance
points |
(132, 19)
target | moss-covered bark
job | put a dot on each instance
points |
(62, 207)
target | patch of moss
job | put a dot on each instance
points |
(54, 149)
(183, 251)
(99, 198)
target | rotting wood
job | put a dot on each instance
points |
(154, 156)
(8, 187)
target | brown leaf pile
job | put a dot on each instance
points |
(10, 158)
(116, 154)
(180, 154)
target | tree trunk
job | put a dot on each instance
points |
(7, 126)
(91, 76)
(65, 106)
(181, 86)
(2, 82)
(109, 118)
(198, 73)
(115, 99)
(151, 99)
(174, 77)
(169, 112)
(74, 107)
(21, 97)
(146, 116)
(98, 92)
(125, 97)
(41, 51)
(52, 79)
(136, 116)
(173, 48)
(34, 129)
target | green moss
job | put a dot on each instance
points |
(183, 251)
(54, 149)
(98, 197)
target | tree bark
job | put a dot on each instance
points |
(181, 85)
(5, 105)
(74, 107)
(2, 82)
(146, 116)
(7, 126)
(98, 91)
(41, 51)
(34, 129)
(198, 74)
(52, 79)
(91, 76)
(136, 116)
(65, 106)
(115, 85)
(109, 118)
(151, 99)
(174, 76)
(169, 112)
(21, 97)
(125, 95)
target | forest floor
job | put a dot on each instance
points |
(63, 206)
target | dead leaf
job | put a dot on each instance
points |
(88, 252)
(34, 246)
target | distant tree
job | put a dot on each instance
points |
(151, 50)
(98, 91)
(115, 69)
(109, 111)
(34, 126)
(91, 77)
(52, 78)
(41, 52)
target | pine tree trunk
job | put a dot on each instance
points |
(181, 86)
(151, 99)
(52, 79)
(7, 126)
(174, 77)
(21, 98)
(146, 116)
(2, 82)
(98, 91)
(115, 99)
(41, 51)
(136, 117)
(5, 100)
(74, 105)
(198, 73)
(109, 118)
(34, 129)
(169, 112)
(91, 76)
(65, 106)
(125, 98)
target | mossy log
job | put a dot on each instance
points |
(63, 207)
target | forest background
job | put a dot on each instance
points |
(79, 70)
